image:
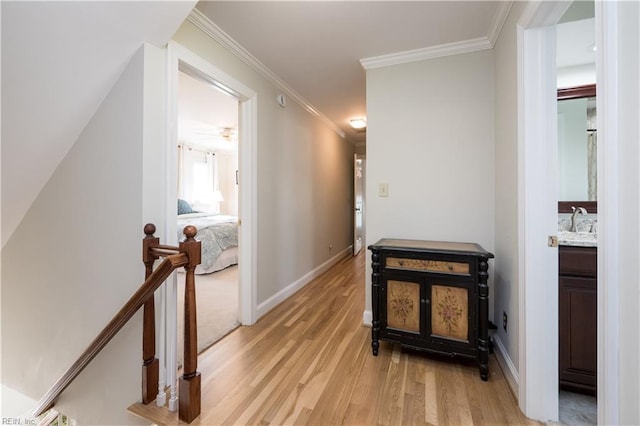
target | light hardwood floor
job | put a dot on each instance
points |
(309, 361)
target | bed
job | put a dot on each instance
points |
(218, 234)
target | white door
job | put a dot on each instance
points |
(358, 197)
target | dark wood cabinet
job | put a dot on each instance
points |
(431, 296)
(577, 318)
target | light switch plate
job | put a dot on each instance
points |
(383, 190)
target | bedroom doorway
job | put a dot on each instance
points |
(181, 59)
(207, 197)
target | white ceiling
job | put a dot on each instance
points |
(206, 115)
(575, 42)
(316, 47)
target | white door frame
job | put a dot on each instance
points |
(608, 206)
(179, 56)
(537, 211)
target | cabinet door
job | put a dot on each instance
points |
(402, 305)
(577, 332)
(452, 319)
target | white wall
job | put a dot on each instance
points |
(304, 174)
(75, 259)
(59, 60)
(14, 404)
(430, 137)
(506, 270)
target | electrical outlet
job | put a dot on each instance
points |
(504, 321)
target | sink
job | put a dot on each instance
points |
(584, 239)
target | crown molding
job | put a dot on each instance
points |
(202, 22)
(448, 49)
(504, 7)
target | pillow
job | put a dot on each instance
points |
(184, 207)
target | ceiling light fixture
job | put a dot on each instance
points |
(358, 123)
(227, 133)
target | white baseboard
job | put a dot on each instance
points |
(289, 290)
(508, 368)
(367, 318)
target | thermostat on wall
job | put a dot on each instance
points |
(282, 101)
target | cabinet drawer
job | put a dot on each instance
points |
(427, 265)
(578, 261)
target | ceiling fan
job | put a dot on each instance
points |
(228, 134)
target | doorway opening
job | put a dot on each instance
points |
(538, 212)
(207, 197)
(359, 171)
(577, 190)
(180, 59)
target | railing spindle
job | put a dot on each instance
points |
(189, 383)
(150, 364)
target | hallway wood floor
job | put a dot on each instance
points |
(309, 361)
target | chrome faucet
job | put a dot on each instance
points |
(576, 212)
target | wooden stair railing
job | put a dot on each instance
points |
(186, 255)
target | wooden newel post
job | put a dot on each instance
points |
(150, 364)
(189, 383)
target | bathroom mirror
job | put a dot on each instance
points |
(577, 153)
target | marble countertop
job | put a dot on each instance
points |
(580, 239)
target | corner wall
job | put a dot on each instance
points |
(506, 189)
(430, 137)
(75, 259)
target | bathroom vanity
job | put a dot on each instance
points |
(577, 317)
(578, 251)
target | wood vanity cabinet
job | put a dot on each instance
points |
(431, 296)
(577, 320)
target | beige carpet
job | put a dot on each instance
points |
(216, 307)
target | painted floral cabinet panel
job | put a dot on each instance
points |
(450, 312)
(403, 305)
(431, 296)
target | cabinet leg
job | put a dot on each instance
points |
(484, 372)
(483, 320)
(483, 359)
(375, 330)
